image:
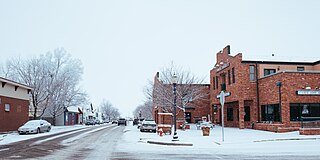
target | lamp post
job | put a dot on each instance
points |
(174, 82)
(279, 84)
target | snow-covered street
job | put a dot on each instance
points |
(127, 142)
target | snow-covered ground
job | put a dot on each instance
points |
(237, 141)
(15, 137)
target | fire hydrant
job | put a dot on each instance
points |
(160, 132)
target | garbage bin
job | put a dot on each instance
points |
(205, 131)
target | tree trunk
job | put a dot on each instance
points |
(35, 113)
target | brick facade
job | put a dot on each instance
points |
(14, 105)
(18, 114)
(195, 110)
(249, 92)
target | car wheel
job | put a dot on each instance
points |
(49, 128)
(38, 130)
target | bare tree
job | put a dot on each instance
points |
(54, 78)
(144, 110)
(34, 73)
(108, 110)
(188, 88)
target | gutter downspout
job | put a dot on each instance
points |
(257, 90)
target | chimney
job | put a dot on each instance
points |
(226, 49)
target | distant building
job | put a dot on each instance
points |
(14, 104)
(269, 95)
(71, 116)
(195, 110)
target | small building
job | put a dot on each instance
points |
(71, 116)
(14, 104)
(268, 95)
(191, 106)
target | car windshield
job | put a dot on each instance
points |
(32, 123)
(149, 122)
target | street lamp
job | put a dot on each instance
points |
(174, 82)
(279, 84)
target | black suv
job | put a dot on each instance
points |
(122, 121)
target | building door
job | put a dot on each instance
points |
(188, 117)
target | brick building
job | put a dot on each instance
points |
(266, 95)
(192, 102)
(14, 105)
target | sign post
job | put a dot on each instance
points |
(222, 100)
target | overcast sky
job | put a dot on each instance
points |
(123, 43)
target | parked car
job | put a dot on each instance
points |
(122, 121)
(114, 122)
(90, 122)
(35, 126)
(148, 125)
(135, 122)
(97, 121)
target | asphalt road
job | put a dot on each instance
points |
(98, 143)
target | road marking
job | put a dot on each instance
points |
(58, 136)
(70, 140)
(4, 149)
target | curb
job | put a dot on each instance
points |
(288, 139)
(170, 143)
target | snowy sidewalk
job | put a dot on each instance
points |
(237, 141)
(15, 137)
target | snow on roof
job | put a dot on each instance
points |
(73, 109)
(275, 58)
(14, 83)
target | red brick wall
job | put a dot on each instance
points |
(241, 91)
(291, 82)
(309, 131)
(18, 114)
(244, 91)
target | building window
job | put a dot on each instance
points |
(300, 68)
(270, 112)
(229, 114)
(213, 83)
(269, 71)
(252, 73)
(217, 82)
(223, 81)
(298, 110)
(7, 107)
(233, 76)
(229, 77)
(246, 113)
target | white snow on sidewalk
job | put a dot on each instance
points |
(15, 137)
(237, 141)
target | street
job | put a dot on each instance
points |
(115, 142)
(93, 142)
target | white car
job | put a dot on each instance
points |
(148, 125)
(35, 126)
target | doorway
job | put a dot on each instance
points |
(188, 117)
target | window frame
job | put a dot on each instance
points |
(252, 73)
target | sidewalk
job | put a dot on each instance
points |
(237, 141)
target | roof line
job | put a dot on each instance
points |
(14, 83)
(281, 62)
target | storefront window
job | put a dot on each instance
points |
(270, 112)
(298, 110)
